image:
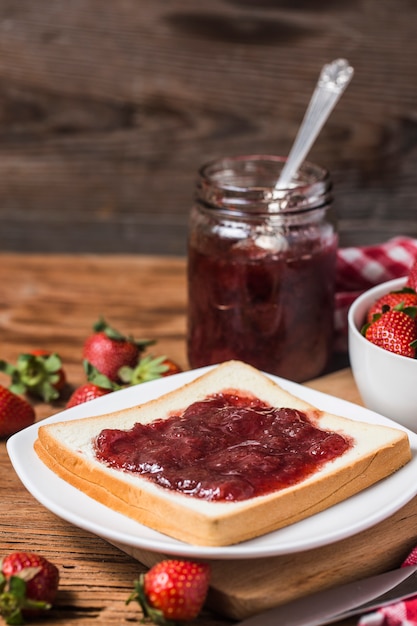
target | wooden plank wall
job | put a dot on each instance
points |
(108, 107)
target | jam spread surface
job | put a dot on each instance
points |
(227, 447)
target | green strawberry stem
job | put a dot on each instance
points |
(148, 368)
(404, 290)
(139, 595)
(410, 310)
(34, 374)
(13, 600)
(101, 326)
(97, 378)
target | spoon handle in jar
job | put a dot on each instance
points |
(333, 80)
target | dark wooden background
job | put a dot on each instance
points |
(107, 108)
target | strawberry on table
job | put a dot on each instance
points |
(172, 591)
(85, 393)
(38, 373)
(108, 350)
(28, 585)
(97, 385)
(15, 413)
(395, 331)
(149, 368)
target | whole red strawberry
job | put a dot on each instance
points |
(28, 585)
(172, 591)
(108, 350)
(97, 385)
(85, 393)
(38, 373)
(395, 331)
(393, 300)
(15, 413)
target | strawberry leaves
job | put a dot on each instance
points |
(156, 615)
(37, 374)
(28, 585)
(101, 326)
(148, 368)
(101, 380)
(14, 600)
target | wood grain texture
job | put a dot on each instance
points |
(107, 112)
(51, 302)
(56, 300)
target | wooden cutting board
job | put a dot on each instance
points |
(240, 588)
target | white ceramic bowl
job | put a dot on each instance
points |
(386, 381)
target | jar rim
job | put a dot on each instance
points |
(246, 183)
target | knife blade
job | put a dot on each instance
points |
(341, 602)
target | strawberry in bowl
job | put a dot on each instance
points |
(382, 331)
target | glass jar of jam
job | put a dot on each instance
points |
(261, 267)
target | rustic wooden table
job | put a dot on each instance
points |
(51, 302)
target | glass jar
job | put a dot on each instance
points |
(261, 267)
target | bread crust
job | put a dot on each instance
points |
(66, 448)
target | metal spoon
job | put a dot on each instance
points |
(332, 82)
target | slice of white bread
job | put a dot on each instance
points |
(67, 448)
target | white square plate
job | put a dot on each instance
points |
(339, 522)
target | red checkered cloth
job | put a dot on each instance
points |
(361, 268)
(402, 613)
